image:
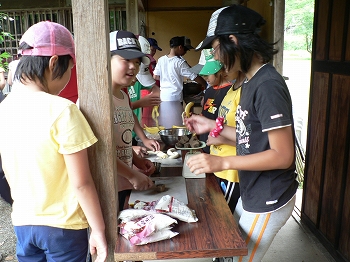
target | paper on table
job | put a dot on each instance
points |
(175, 187)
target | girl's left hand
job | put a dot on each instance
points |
(214, 140)
(204, 163)
(144, 165)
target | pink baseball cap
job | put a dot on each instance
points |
(48, 39)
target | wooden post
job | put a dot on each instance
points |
(132, 16)
(278, 35)
(91, 34)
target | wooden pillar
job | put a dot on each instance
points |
(132, 16)
(91, 34)
(278, 35)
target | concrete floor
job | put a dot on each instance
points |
(296, 243)
(293, 243)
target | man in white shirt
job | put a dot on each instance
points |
(171, 70)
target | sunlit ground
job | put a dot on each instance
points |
(297, 67)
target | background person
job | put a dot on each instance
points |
(2, 84)
(12, 69)
(221, 100)
(153, 47)
(147, 111)
(171, 70)
(219, 82)
(2, 79)
(5, 192)
(226, 146)
(143, 81)
(70, 91)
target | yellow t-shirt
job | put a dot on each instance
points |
(40, 128)
(227, 110)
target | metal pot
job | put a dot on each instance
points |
(191, 88)
(171, 136)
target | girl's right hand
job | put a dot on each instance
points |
(199, 124)
(140, 181)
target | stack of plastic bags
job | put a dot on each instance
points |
(152, 221)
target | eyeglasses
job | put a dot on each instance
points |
(213, 50)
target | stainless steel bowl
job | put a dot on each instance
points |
(191, 88)
(171, 136)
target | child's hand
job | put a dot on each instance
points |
(98, 245)
(140, 181)
(151, 144)
(204, 163)
(153, 99)
(140, 150)
(199, 124)
(145, 166)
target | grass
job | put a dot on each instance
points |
(296, 55)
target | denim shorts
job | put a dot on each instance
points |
(44, 243)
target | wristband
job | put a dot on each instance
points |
(219, 127)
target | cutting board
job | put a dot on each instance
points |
(175, 187)
(167, 162)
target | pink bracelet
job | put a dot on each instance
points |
(219, 127)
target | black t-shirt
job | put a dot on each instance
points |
(265, 105)
(213, 97)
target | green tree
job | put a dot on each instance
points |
(299, 17)
(3, 36)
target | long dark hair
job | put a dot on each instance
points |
(247, 45)
(33, 67)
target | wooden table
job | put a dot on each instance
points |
(216, 233)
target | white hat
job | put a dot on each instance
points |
(144, 76)
(198, 67)
(145, 45)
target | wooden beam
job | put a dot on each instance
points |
(91, 34)
(181, 9)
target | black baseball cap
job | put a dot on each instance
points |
(181, 40)
(125, 44)
(153, 42)
(234, 19)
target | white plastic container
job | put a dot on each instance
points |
(186, 173)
